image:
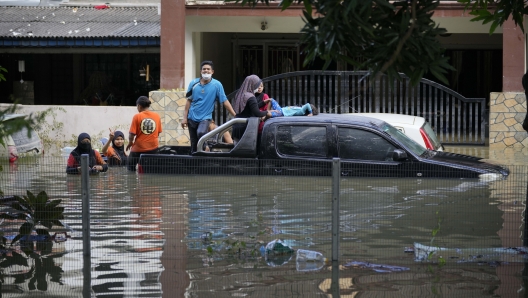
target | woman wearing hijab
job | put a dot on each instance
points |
(84, 146)
(245, 104)
(116, 153)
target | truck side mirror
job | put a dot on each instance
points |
(399, 155)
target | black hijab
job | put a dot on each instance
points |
(120, 151)
(84, 148)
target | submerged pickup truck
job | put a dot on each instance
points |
(306, 146)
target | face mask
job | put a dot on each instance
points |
(256, 90)
(206, 76)
(85, 146)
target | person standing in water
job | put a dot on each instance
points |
(84, 146)
(115, 154)
(144, 133)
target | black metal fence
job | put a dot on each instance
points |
(161, 235)
(455, 118)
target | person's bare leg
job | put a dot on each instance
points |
(227, 138)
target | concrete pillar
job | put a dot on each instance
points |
(513, 57)
(172, 44)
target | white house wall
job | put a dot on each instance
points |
(196, 25)
(464, 25)
(65, 123)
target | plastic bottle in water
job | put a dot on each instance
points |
(308, 260)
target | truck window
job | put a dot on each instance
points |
(361, 144)
(302, 140)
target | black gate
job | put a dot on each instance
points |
(455, 119)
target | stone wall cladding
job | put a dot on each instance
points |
(507, 112)
(170, 105)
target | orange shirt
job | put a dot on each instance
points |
(147, 127)
(113, 157)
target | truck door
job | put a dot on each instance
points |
(300, 150)
(364, 153)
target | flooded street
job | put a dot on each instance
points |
(202, 236)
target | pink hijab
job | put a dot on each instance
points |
(245, 92)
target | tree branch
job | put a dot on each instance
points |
(401, 42)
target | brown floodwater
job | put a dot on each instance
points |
(202, 236)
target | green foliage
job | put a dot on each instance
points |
(380, 36)
(35, 210)
(496, 12)
(434, 232)
(32, 121)
(2, 77)
(436, 229)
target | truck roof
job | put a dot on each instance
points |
(324, 117)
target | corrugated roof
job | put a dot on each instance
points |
(79, 22)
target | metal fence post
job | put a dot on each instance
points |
(85, 190)
(525, 219)
(336, 177)
(85, 186)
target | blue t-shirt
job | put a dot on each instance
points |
(203, 99)
(297, 111)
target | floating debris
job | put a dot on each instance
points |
(309, 260)
(88, 29)
(278, 247)
(381, 268)
(102, 6)
(206, 237)
(277, 253)
(424, 253)
(74, 10)
(63, 22)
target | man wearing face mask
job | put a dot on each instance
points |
(201, 96)
(84, 146)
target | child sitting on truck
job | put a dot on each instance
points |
(266, 103)
(277, 111)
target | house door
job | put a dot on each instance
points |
(266, 58)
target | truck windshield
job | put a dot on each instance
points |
(403, 139)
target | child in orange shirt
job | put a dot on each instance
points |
(116, 155)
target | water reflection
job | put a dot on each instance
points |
(147, 234)
(127, 241)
